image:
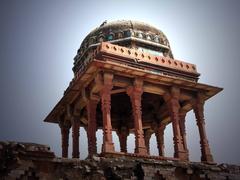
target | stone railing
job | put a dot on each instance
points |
(145, 57)
(140, 57)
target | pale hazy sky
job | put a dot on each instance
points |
(40, 38)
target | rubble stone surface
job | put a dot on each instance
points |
(35, 161)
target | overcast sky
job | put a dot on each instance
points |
(39, 40)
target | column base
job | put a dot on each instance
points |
(90, 156)
(182, 155)
(187, 154)
(75, 156)
(141, 151)
(207, 159)
(108, 147)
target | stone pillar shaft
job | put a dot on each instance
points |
(65, 140)
(123, 134)
(174, 107)
(75, 138)
(183, 132)
(147, 135)
(160, 139)
(92, 125)
(108, 145)
(135, 94)
(199, 113)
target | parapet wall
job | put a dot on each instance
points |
(34, 161)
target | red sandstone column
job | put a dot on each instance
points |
(172, 101)
(135, 94)
(159, 132)
(198, 108)
(182, 116)
(108, 145)
(65, 138)
(147, 135)
(92, 125)
(123, 134)
(75, 138)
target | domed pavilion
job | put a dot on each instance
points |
(127, 80)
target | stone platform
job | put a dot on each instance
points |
(35, 161)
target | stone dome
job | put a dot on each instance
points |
(131, 34)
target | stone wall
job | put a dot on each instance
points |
(34, 161)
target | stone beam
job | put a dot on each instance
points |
(121, 81)
(116, 91)
(154, 89)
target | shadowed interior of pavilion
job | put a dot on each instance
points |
(155, 118)
(122, 119)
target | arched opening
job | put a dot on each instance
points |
(192, 136)
(70, 144)
(168, 141)
(116, 141)
(131, 143)
(99, 135)
(83, 143)
(153, 149)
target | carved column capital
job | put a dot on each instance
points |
(65, 124)
(198, 101)
(75, 120)
(138, 85)
(173, 93)
(171, 99)
(94, 98)
(198, 108)
(136, 89)
(107, 79)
